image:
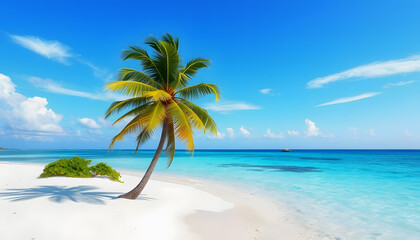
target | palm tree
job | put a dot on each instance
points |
(159, 97)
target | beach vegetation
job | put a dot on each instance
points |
(159, 96)
(79, 168)
(104, 169)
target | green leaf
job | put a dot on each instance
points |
(199, 90)
(131, 88)
(118, 106)
(128, 74)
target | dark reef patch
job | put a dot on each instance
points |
(275, 168)
(320, 158)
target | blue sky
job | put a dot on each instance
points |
(330, 74)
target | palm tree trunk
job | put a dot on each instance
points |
(133, 194)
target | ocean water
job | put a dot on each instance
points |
(340, 194)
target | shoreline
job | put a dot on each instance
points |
(206, 210)
(253, 216)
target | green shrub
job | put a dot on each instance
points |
(79, 167)
(71, 167)
(105, 170)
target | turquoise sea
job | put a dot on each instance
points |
(342, 194)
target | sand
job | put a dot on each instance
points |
(169, 208)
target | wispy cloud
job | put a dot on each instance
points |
(49, 49)
(269, 134)
(293, 133)
(265, 90)
(51, 86)
(99, 72)
(57, 51)
(350, 99)
(398, 84)
(376, 69)
(244, 131)
(230, 106)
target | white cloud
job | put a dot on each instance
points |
(88, 123)
(26, 117)
(269, 134)
(218, 136)
(230, 132)
(244, 132)
(51, 86)
(400, 83)
(312, 130)
(265, 90)
(49, 49)
(350, 99)
(230, 106)
(376, 69)
(371, 132)
(99, 72)
(293, 133)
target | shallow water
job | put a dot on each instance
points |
(343, 194)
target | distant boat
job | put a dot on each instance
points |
(286, 150)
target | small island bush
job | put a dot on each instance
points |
(105, 170)
(79, 167)
(69, 167)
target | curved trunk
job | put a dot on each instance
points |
(133, 194)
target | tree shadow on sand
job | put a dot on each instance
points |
(61, 194)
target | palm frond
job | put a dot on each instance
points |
(192, 67)
(133, 112)
(133, 126)
(144, 135)
(204, 116)
(194, 120)
(198, 90)
(159, 95)
(131, 88)
(128, 74)
(154, 43)
(151, 118)
(147, 63)
(118, 106)
(182, 126)
(169, 39)
(168, 62)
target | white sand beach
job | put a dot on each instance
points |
(169, 208)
